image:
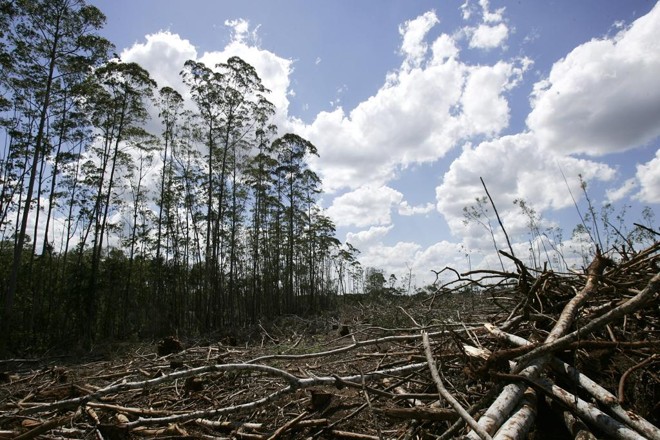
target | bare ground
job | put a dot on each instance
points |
(301, 378)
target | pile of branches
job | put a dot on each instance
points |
(561, 354)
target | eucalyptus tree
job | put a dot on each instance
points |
(206, 91)
(139, 226)
(7, 14)
(230, 99)
(318, 247)
(246, 115)
(49, 39)
(118, 109)
(294, 173)
(184, 219)
(188, 186)
(258, 177)
(347, 267)
(7, 174)
(170, 104)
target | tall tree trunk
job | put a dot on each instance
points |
(38, 146)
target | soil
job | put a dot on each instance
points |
(360, 372)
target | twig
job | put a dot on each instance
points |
(47, 426)
(287, 426)
(442, 391)
(603, 396)
(409, 316)
(371, 408)
(499, 220)
(624, 377)
(633, 304)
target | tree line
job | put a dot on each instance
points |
(111, 231)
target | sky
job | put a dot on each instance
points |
(411, 103)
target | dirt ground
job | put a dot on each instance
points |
(361, 372)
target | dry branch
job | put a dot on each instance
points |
(442, 391)
(603, 324)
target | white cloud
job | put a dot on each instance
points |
(365, 206)
(466, 10)
(485, 109)
(388, 132)
(648, 175)
(392, 259)
(241, 31)
(537, 179)
(604, 96)
(413, 32)
(403, 256)
(407, 210)
(163, 56)
(444, 48)
(488, 15)
(614, 195)
(489, 37)
(488, 34)
(273, 70)
(439, 255)
(372, 235)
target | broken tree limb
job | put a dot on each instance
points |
(624, 377)
(512, 393)
(521, 421)
(287, 426)
(420, 413)
(633, 304)
(47, 426)
(603, 396)
(589, 412)
(446, 394)
(346, 348)
(300, 383)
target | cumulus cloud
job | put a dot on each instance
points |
(273, 70)
(648, 175)
(489, 37)
(392, 259)
(370, 236)
(485, 109)
(413, 32)
(403, 256)
(439, 255)
(407, 210)
(365, 206)
(162, 55)
(604, 96)
(469, 8)
(537, 179)
(417, 116)
(614, 195)
(241, 32)
(491, 33)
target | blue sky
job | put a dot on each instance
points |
(410, 102)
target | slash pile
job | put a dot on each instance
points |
(531, 354)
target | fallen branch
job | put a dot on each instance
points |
(630, 306)
(442, 391)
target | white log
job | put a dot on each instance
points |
(603, 396)
(590, 413)
(521, 421)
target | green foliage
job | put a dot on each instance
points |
(228, 232)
